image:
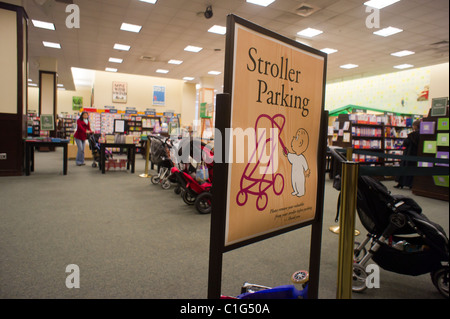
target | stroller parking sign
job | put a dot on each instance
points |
(276, 91)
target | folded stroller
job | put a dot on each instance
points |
(402, 239)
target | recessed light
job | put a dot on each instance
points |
(115, 60)
(43, 25)
(387, 31)
(263, 3)
(130, 27)
(122, 47)
(149, 1)
(218, 29)
(51, 45)
(192, 48)
(214, 72)
(175, 62)
(309, 32)
(379, 4)
(402, 53)
(188, 78)
(403, 66)
(329, 50)
(162, 71)
(349, 66)
(111, 70)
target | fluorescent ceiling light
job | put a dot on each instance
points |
(214, 72)
(51, 45)
(380, 4)
(110, 69)
(162, 71)
(43, 25)
(402, 53)
(60, 85)
(61, 89)
(149, 1)
(218, 29)
(32, 84)
(263, 3)
(122, 47)
(403, 66)
(30, 80)
(188, 78)
(115, 60)
(329, 50)
(175, 62)
(130, 27)
(387, 31)
(192, 48)
(349, 66)
(309, 32)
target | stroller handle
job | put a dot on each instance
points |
(340, 157)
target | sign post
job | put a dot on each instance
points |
(273, 140)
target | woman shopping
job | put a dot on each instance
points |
(83, 128)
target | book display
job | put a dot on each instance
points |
(433, 143)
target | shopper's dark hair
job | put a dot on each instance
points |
(82, 113)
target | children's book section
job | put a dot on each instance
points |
(384, 133)
(137, 126)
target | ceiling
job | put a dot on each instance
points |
(170, 25)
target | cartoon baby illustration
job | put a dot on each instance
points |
(299, 164)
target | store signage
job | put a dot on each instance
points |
(272, 109)
(159, 95)
(439, 106)
(119, 92)
(277, 90)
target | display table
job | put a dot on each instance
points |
(131, 151)
(29, 153)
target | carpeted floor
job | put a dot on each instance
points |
(132, 239)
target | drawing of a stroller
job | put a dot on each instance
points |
(253, 181)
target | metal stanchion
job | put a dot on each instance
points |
(147, 156)
(347, 229)
(336, 229)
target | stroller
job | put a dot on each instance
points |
(160, 156)
(402, 239)
(95, 149)
(193, 191)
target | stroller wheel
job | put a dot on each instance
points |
(166, 184)
(94, 164)
(155, 179)
(359, 278)
(203, 203)
(177, 190)
(440, 281)
(188, 198)
(300, 277)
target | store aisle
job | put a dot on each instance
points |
(132, 239)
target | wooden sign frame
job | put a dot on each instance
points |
(222, 200)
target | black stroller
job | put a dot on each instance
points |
(159, 155)
(402, 239)
(95, 149)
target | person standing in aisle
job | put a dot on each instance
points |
(411, 145)
(83, 128)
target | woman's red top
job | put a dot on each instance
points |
(81, 130)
